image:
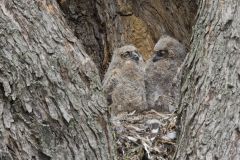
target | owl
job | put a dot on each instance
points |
(123, 82)
(160, 71)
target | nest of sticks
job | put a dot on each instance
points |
(144, 136)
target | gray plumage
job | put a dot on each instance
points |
(123, 83)
(160, 71)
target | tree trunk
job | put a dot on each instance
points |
(51, 103)
(209, 110)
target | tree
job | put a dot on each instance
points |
(209, 108)
(51, 102)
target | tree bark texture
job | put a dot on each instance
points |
(51, 101)
(209, 110)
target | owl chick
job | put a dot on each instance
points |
(123, 83)
(160, 70)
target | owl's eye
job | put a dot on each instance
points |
(125, 54)
(159, 54)
(162, 53)
(128, 53)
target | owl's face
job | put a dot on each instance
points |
(168, 48)
(131, 55)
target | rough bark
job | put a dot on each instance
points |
(209, 109)
(96, 25)
(51, 103)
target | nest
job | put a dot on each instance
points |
(144, 136)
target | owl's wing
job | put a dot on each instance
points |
(110, 81)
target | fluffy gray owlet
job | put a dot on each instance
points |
(123, 83)
(160, 70)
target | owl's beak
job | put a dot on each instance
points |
(156, 58)
(135, 56)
